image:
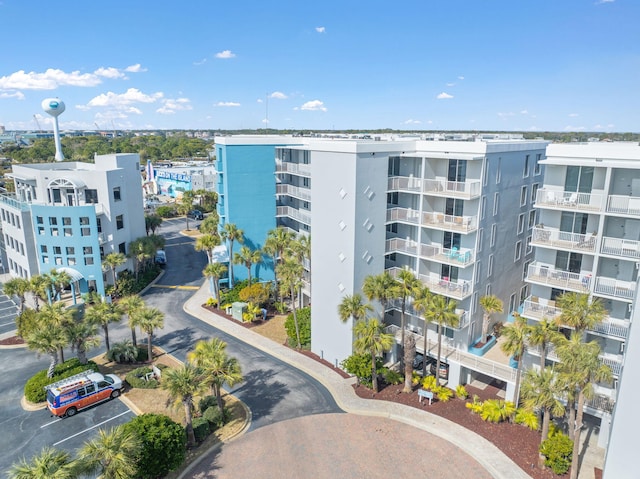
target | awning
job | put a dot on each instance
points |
(74, 274)
(220, 254)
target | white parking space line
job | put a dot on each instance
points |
(50, 423)
(7, 324)
(93, 427)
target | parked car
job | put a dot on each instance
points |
(419, 360)
(196, 215)
(444, 369)
(161, 257)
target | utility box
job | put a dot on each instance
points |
(237, 309)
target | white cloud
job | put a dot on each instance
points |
(505, 114)
(460, 78)
(49, 80)
(225, 54)
(259, 100)
(574, 128)
(278, 95)
(524, 112)
(412, 122)
(201, 62)
(15, 94)
(227, 103)
(137, 68)
(573, 115)
(599, 2)
(451, 84)
(122, 101)
(320, 29)
(109, 72)
(444, 96)
(313, 105)
(170, 106)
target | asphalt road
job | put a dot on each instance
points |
(273, 390)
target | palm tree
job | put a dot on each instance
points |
(47, 340)
(580, 367)
(231, 233)
(152, 223)
(206, 243)
(183, 384)
(515, 344)
(112, 454)
(407, 285)
(17, 287)
(59, 280)
(371, 339)
(442, 312)
(102, 314)
(214, 272)
(352, 306)
(490, 304)
(56, 316)
(112, 261)
(129, 305)
(51, 463)
(300, 251)
(579, 312)
(211, 357)
(82, 336)
(381, 287)
(248, 258)
(421, 303)
(277, 242)
(40, 285)
(290, 272)
(184, 207)
(542, 334)
(541, 390)
(148, 320)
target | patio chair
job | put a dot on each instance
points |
(453, 253)
(572, 200)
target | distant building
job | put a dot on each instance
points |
(69, 215)
(173, 181)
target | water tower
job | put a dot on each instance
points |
(55, 108)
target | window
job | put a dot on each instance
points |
(84, 220)
(71, 250)
(520, 223)
(483, 207)
(45, 259)
(480, 234)
(532, 219)
(18, 222)
(120, 222)
(91, 196)
(116, 194)
(4, 215)
(58, 260)
(485, 176)
(496, 203)
(534, 192)
(53, 220)
(487, 289)
(524, 292)
(54, 231)
(518, 253)
(87, 250)
(498, 172)
(475, 303)
(66, 221)
(529, 247)
(57, 250)
(57, 198)
(68, 232)
(512, 302)
(40, 230)
(536, 167)
(490, 266)
(392, 228)
(99, 223)
(122, 248)
(579, 179)
(478, 271)
(88, 260)
(43, 248)
(21, 248)
(494, 230)
(525, 269)
(525, 173)
(523, 196)
(85, 231)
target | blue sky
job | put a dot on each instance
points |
(521, 65)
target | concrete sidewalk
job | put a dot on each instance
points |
(488, 455)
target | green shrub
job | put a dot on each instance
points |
(216, 418)
(360, 366)
(429, 383)
(461, 392)
(557, 450)
(207, 402)
(165, 211)
(201, 429)
(123, 352)
(211, 302)
(143, 354)
(392, 377)
(497, 410)
(233, 295)
(163, 444)
(527, 417)
(136, 379)
(304, 326)
(257, 293)
(26, 322)
(443, 393)
(34, 388)
(280, 307)
(475, 405)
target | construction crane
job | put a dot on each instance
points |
(35, 117)
(97, 126)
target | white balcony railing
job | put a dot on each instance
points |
(615, 288)
(299, 169)
(295, 191)
(396, 304)
(569, 200)
(406, 215)
(616, 328)
(627, 205)
(620, 247)
(462, 224)
(435, 252)
(293, 213)
(549, 275)
(551, 237)
(459, 289)
(407, 184)
(454, 189)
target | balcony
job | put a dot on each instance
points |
(458, 224)
(459, 289)
(466, 190)
(299, 169)
(405, 215)
(548, 275)
(614, 361)
(409, 309)
(294, 191)
(569, 200)
(554, 238)
(538, 308)
(434, 252)
(615, 288)
(406, 184)
(294, 213)
(624, 205)
(623, 248)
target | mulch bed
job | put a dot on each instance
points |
(12, 341)
(247, 324)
